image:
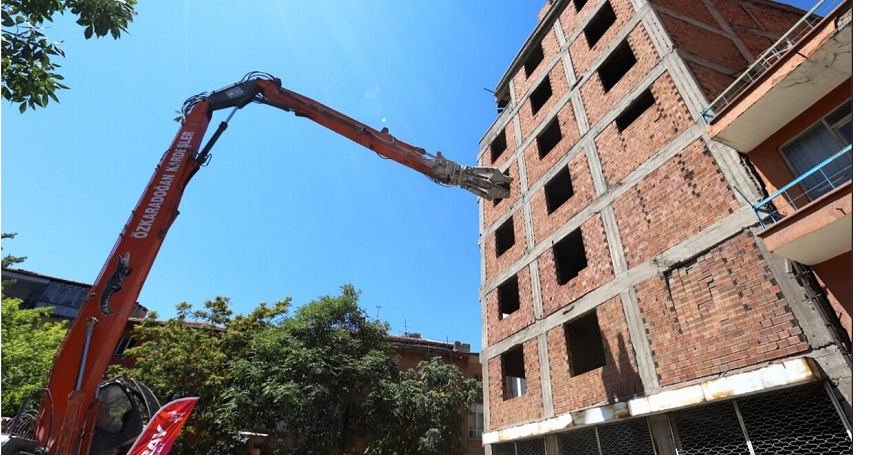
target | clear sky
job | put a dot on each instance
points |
(286, 207)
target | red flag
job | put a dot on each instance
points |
(158, 436)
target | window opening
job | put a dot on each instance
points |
(514, 373)
(549, 138)
(541, 95)
(638, 107)
(818, 143)
(578, 4)
(569, 256)
(65, 299)
(558, 190)
(583, 339)
(504, 237)
(599, 24)
(616, 65)
(123, 345)
(498, 146)
(535, 59)
(475, 421)
(508, 297)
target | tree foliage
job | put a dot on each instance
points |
(29, 62)
(10, 260)
(29, 344)
(323, 380)
(305, 380)
(423, 412)
(191, 355)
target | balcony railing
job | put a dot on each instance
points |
(768, 213)
(769, 57)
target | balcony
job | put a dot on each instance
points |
(808, 62)
(809, 220)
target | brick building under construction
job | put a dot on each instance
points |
(633, 300)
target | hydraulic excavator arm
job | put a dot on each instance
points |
(68, 419)
(485, 182)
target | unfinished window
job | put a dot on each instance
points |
(558, 190)
(498, 146)
(569, 256)
(513, 369)
(583, 339)
(641, 104)
(541, 95)
(549, 137)
(508, 297)
(578, 4)
(616, 65)
(123, 345)
(599, 24)
(504, 238)
(535, 59)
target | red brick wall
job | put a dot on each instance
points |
(693, 9)
(620, 152)
(721, 312)
(522, 84)
(510, 136)
(685, 195)
(712, 82)
(708, 44)
(548, 4)
(536, 166)
(703, 43)
(524, 408)
(584, 194)
(495, 264)
(409, 358)
(597, 102)
(615, 381)
(559, 86)
(570, 19)
(599, 269)
(582, 56)
(758, 17)
(499, 329)
(755, 43)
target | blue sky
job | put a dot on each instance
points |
(286, 207)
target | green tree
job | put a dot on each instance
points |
(10, 260)
(191, 355)
(324, 380)
(29, 344)
(423, 412)
(29, 62)
(306, 379)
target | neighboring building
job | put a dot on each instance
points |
(412, 349)
(632, 302)
(65, 297)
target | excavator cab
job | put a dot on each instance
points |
(126, 405)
